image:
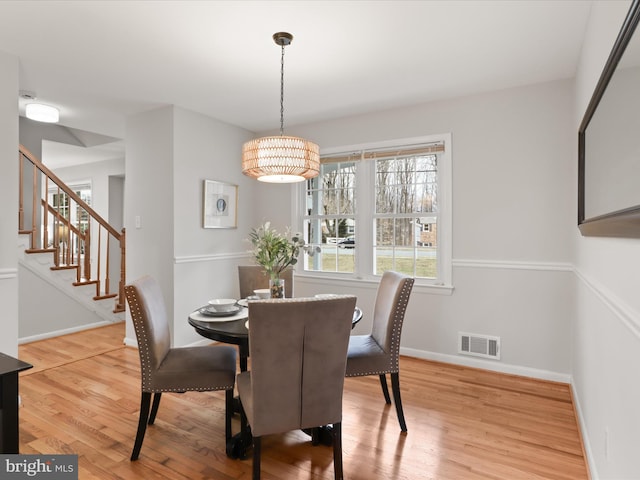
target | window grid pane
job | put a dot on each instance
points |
(407, 245)
(330, 222)
(407, 184)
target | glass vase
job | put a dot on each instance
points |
(276, 287)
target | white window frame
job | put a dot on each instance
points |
(365, 184)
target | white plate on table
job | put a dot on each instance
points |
(215, 311)
(197, 315)
(244, 302)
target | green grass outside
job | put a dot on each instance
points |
(426, 267)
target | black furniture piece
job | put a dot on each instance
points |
(9, 369)
(235, 332)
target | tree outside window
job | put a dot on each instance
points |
(374, 210)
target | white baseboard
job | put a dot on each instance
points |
(65, 331)
(488, 365)
(593, 472)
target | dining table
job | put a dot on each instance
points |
(233, 328)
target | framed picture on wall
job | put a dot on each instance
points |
(220, 205)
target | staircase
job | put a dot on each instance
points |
(66, 241)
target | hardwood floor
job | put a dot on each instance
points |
(83, 394)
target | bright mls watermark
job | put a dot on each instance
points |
(51, 467)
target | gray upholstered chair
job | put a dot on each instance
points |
(379, 352)
(298, 351)
(253, 277)
(166, 369)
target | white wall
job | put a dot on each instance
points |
(169, 152)
(206, 259)
(606, 344)
(513, 224)
(57, 310)
(9, 202)
(148, 193)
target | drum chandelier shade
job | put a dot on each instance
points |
(281, 159)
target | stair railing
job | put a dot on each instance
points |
(51, 227)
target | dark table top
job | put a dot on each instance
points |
(10, 364)
(235, 331)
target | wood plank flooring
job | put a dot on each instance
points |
(83, 394)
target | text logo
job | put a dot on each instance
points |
(51, 467)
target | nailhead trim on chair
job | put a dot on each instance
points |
(145, 354)
(394, 357)
(401, 308)
(141, 333)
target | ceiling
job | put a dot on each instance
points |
(100, 61)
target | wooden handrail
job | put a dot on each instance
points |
(70, 244)
(40, 166)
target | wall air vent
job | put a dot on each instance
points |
(479, 345)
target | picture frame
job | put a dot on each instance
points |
(220, 205)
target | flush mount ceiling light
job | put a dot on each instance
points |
(281, 159)
(42, 113)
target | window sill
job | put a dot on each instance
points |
(344, 281)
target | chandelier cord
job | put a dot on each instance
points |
(282, 91)
(281, 159)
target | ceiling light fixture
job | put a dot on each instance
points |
(42, 113)
(281, 159)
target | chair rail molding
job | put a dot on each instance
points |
(7, 273)
(213, 257)
(513, 265)
(625, 313)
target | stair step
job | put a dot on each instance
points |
(85, 282)
(103, 297)
(64, 267)
(40, 250)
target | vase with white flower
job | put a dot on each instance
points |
(275, 252)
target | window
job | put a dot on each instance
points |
(330, 221)
(69, 209)
(63, 204)
(382, 207)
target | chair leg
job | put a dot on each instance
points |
(256, 457)
(154, 407)
(337, 451)
(395, 386)
(385, 389)
(145, 402)
(228, 413)
(244, 424)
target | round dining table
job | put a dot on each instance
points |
(233, 329)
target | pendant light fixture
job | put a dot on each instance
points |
(281, 159)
